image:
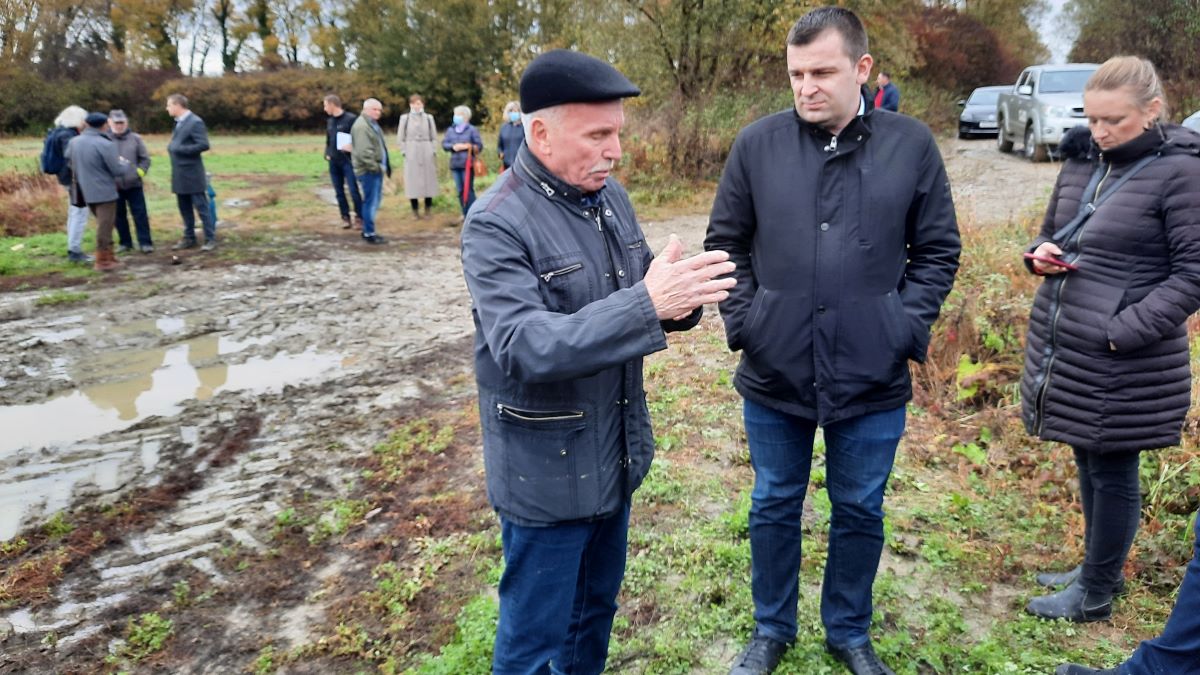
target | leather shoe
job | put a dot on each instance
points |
(346, 223)
(1062, 579)
(124, 248)
(184, 243)
(147, 248)
(861, 660)
(209, 245)
(760, 657)
(79, 257)
(1073, 603)
(1076, 669)
(375, 239)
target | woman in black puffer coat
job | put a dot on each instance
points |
(1106, 356)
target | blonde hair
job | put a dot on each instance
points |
(512, 106)
(1137, 74)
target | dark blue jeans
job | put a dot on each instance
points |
(189, 206)
(859, 453)
(341, 173)
(1112, 509)
(135, 199)
(460, 177)
(558, 596)
(372, 195)
(1177, 649)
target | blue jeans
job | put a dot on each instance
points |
(135, 198)
(341, 173)
(460, 177)
(859, 453)
(372, 194)
(189, 206)
(558, 596)
(1177, 649)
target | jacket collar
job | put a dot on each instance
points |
(552, 186)
(1150, 140)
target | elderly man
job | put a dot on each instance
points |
(132, 148)
(371, 163)
(97, 168)
(842, 227)
(189, 182)
(567, 299)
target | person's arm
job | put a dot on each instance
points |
(117, 166)
(677, 324)
(143, 156)
(447, 144)
(731, 227)
(533, 344)
(400, 132)
(366, 150)
(1170, 303)
(933, 248)
(196, 141)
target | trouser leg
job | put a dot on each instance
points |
(188, 214)
(337, 176)
(121, 224)
(1177, 649)
(76, 223)
(1116, 510)
(136, 198)
(106, 216)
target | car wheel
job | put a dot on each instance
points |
(1003, 144)
(963, 135)
(1034, 152)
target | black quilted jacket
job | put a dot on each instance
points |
(1106, 356)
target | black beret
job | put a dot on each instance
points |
(96, 119)
(563, 76)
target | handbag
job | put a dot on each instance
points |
(480, 167)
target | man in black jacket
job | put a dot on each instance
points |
(567, 298)
(840, 221)
(341, 171)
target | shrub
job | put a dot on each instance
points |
(34, 203)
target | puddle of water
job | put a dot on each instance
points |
(156, 382)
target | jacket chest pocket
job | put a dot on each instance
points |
(565, 284)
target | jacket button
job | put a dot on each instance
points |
(824, 227)
(608, 212)
(563, 452)
(820, 309)
(621, 273)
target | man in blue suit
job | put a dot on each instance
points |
(188, 181)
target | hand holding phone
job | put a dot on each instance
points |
(1050, 260)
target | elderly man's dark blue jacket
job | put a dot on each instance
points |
(844, 252)
(562, 321)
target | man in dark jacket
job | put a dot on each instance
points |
(887, 95)
(841, 225)
(341, 171)
(188, 180)
(567, 299)
(132, 148)
(97, 167)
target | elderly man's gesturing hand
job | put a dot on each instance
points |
(678, 286)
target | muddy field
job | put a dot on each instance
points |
(182, 412)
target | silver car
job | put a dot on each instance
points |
(1193, 122)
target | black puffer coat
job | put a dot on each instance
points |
(1106, 356)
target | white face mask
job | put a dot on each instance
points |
(417, 109)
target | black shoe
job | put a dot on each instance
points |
(184, 243)
(1062, 579)
(147, 248)
(861, 660)
(1076, 669)
(375, 239)
(346, 223)
(760, 657)
(124, 248)
(1073, 603)
(210, 245)
(79, 257)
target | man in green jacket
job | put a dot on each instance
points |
(369, 156)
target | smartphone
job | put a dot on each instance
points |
(1052, 261)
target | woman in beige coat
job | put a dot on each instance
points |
(417, 140)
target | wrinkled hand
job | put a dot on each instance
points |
(677, 286)
(1047, 250)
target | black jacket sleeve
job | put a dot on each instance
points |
(731, 229)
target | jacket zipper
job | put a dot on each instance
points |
(566, 270)
(1057, 307)
(536, 416)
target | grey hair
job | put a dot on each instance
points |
(179, 100)
(511, 106)
(72, 117)
(372, 101)
(810, 26)
(464, 111)
(550, 116)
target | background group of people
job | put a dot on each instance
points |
(102, 162)
(359, 160)
(831, 246)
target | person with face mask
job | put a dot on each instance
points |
(464, 143)
(512, 134)
(416, 137)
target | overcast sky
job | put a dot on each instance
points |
(1055, 32)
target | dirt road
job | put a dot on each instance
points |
(209, 398)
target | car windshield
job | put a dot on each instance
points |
(1064, 81)
(980, 97)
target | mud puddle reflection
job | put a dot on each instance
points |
(151, 382)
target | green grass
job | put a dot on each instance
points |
(58, 298)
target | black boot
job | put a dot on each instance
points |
(1063, 579)
(861, 660)
(1074, 603)
(1076, 669)
(760, 657)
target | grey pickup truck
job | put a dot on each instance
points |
(1045, 103)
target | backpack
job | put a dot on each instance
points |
(52, 152)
